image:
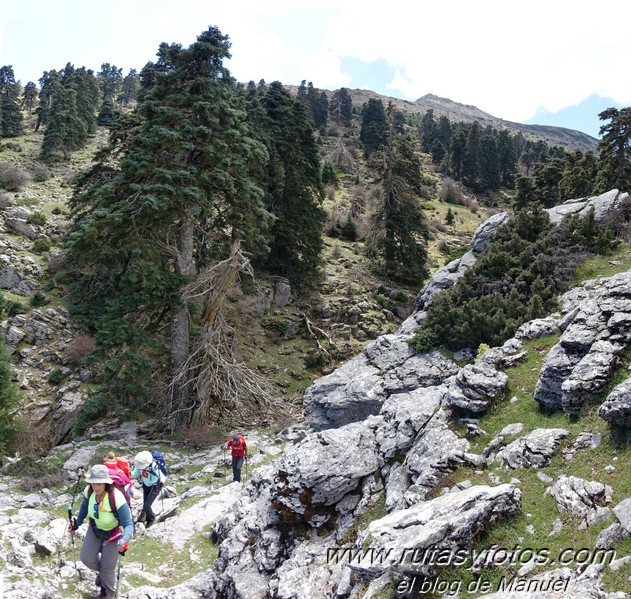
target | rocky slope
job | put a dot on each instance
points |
(418, 475)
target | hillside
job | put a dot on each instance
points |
(374, 507)
(456, 112)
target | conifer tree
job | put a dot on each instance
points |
(427, 131)
(182, 196)
(507, 155)
(11, 122)
(400, 219)
(129, 88)
(341, 107)
(49, 83)
(614, 161)
(29, 96)
(293, 186)
(374, 127)
(110, 79)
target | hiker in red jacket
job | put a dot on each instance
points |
(239, 454)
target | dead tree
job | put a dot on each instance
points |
(218, 383)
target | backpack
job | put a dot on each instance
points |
(123, 465)
(159, 458)
(123, 484)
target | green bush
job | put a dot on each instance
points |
(37, 218)
(38, 299)
(315, 361)
(41, 245)
(56, 376)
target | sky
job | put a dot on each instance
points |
(548, 62)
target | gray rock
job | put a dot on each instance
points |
(532, 450)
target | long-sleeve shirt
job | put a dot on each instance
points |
(150, 476)
(103, 517)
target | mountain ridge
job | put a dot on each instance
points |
(569, 139)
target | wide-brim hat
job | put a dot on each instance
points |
(143, 459)
(98, 474)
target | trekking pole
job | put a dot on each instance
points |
(246, 468)
(80, 472)
(72, 523)
(118, 574)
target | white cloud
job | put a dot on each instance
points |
(508, 59)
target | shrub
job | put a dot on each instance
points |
(315, 361)
(41, 245)
(37, 218)
(56, 376)
(40, 172)
(79, 347)
(12, 177)
(5, 199)
(38, 299)
(57, 210)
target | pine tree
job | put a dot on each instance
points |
(182, 196)
(400, 217)
(374, 127)
(110, 79)
(341, 107)
(11, 123)
(614, 161)
(293, 185)
(129, 88)
(29, 96)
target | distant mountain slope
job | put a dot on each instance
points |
(455, 112)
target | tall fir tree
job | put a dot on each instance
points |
(29, 97)
(614, 160)
(400, 219)
(293, 186)
(110, 79)
(182, 196)
(374, 126)
(341, 107)
(11, 123)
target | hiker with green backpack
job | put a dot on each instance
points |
(110, 528)
(150, 467)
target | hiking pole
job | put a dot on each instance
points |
(118, 574)
(80, 472)
(72, 524)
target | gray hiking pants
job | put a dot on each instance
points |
(101, 557)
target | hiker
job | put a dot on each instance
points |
(110, 528)
(239, 455)
(119, 471)
(152, 477)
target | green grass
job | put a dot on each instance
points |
(604, 266)
(198, 556)
(539, 509)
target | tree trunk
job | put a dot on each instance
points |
(180, 321)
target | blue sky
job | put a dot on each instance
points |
(557, 63)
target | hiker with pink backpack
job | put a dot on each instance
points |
(150, 467)
(110, 528)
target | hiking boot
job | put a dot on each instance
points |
(149, 523)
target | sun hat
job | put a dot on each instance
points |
(98, 474)
(143, 459)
